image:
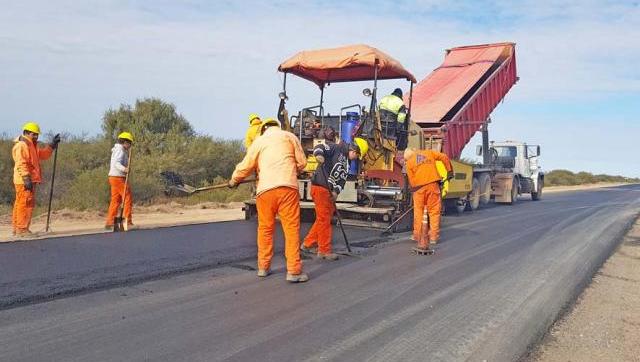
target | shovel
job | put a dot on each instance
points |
(119, 222)
(175, 185)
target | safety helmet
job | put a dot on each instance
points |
(267, 122)
(253, 116)
(361, 146)
(31, 127)
(408, 153)
(125, 136)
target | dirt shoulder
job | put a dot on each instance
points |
(68, 222)
(582, 187)
(604, 324)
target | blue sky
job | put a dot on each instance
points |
(65, 62)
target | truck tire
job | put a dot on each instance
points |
(474, 196)
(514, 191)
(535, 196)
(485, 188)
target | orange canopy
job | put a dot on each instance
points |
(345, 64)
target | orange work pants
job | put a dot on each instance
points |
(321, 229)
(23, 208)
(281, 201)
(117, 188)
(427, 196)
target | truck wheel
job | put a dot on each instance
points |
(485, 188)
(535, 196)
(474, 196)
(514, 192)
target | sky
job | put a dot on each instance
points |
(64, 63)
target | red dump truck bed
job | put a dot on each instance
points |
(453, 102)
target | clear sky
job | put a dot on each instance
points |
(64, 62)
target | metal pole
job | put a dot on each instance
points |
(321, 108)
(53, 178)
(486, 156)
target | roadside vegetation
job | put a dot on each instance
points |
(164, 140)
(568, 178)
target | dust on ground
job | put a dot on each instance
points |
(604, 324)
(69, 222)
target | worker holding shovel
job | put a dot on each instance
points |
(27, 175)
(277, 157)
(326, 184)
(118, 171)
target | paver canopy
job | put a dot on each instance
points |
(345, 64)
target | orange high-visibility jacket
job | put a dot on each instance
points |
(277, 157)
(421, 167)
(26, 158)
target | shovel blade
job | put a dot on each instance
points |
(117, 224)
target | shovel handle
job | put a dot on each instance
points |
(220, 186)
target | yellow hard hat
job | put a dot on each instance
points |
(362, 146)
(31, 127)
(269, 121)
(126, 136)
(253, 116)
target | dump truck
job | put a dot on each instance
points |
(445, 110)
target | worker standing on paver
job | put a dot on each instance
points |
(254, 130)
(27, 175)
(392, 113)
(277, 157)
(118, 169)
(425, 184)
(326, 184)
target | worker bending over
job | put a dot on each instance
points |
(392, 113)
(327, 182)
(254, 130)
(118, 169)
(27, 175)
(425, 184)
(277, 157)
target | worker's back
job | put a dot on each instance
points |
(277, 156)
(421, 167)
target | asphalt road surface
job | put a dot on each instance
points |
(498, 280)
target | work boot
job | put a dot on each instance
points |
(23, 233)
(263, 272)
(308, 249)
(433, 242)
(328, 256)
(297, 278)
(108, 227)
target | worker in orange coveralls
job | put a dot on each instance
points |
(118, 169)
(326, 184)
(277, 157)
(425, 185)
(27, 175)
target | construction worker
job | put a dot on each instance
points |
(253, 131)
(27, 174)
(425, 181)
(277, 157)
(118, 169)
(392, 113)
(326, 184)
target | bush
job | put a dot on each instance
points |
(568, 178)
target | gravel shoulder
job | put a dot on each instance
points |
(604, 324)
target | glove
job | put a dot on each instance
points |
(320, 158)
(450, 175)
(334, 196)
(28, 185)
(232, 184)
(55, 141)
